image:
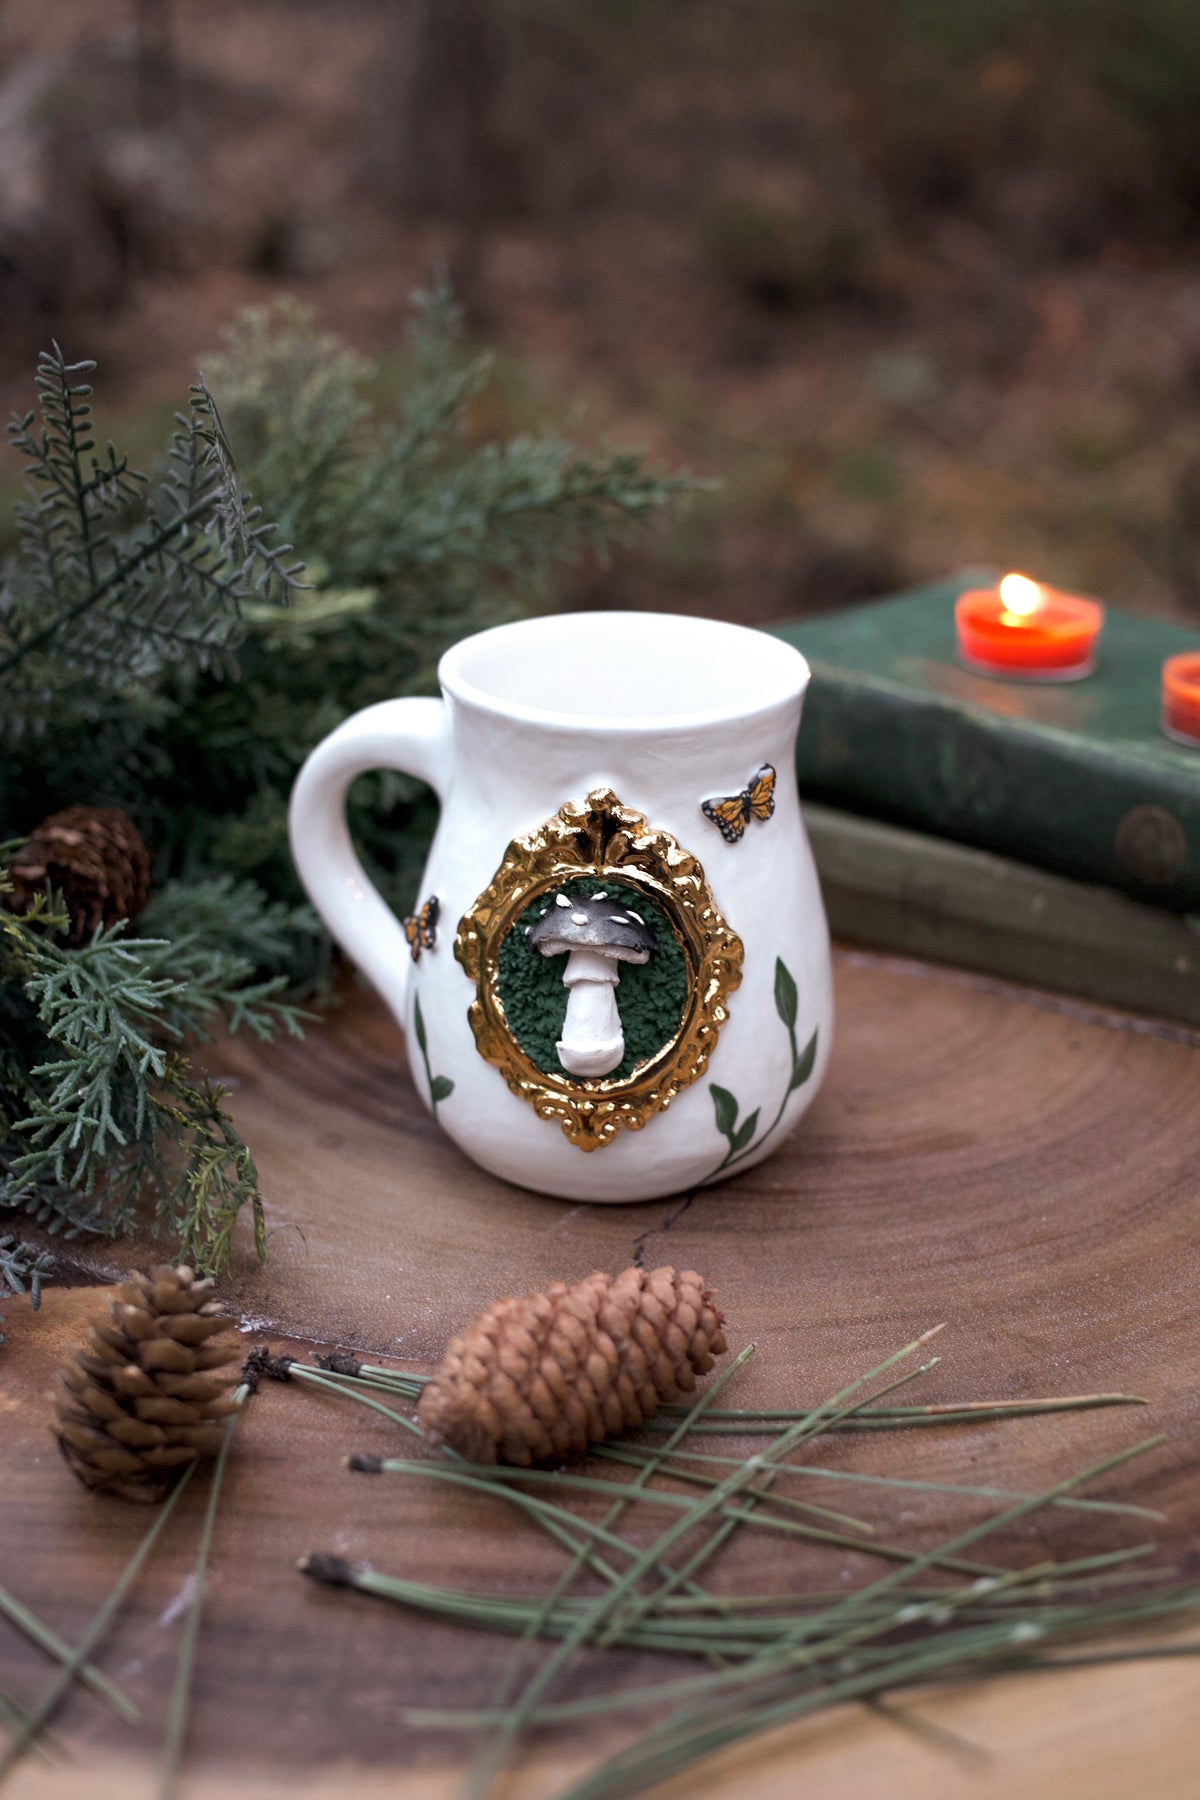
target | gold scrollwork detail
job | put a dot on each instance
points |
(607, 841)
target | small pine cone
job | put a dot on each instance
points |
(147, 1393)
(544, 1377)
(95, 857)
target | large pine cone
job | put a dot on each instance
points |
(147, 1393)
(95, 857)
(545, 1376)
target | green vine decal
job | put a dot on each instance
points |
(741, 1137)
(440, 1086)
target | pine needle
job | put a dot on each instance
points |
(660, 1755)
(841, 1405)
(492, 1759)
(483, 1478)
(15, 1718)
(20, 1615)
(181, 1692)
(713, 1719)
(95, 1631)
(637, 1454)
(337, 1384)
(777, 1656)
(886, 1418)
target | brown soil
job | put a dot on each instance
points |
(691, 221)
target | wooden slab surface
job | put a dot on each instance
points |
(1021, 1167)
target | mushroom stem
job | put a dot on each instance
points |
(592, 1042)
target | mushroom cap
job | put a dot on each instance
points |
(597, 923)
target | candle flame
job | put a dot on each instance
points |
(1021, 597)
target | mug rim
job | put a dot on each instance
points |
(790, 675)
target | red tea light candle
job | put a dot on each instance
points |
(1027, 632)
(1181, 697)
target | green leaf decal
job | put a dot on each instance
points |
(726, 1109)
(440, 1086)
(804, 1064)
(745, 1132)
(741, 1138)
(785, 994)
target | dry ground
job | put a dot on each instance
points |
(896, 352)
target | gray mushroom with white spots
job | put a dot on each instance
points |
(598, 934)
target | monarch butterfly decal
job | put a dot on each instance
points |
(732, 813)
(420, 928)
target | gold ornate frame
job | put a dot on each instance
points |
(604, 840)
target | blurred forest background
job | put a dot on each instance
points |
(917, 282)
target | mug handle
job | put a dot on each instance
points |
(411, 736)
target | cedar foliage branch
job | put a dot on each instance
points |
(120, 583)
(156, 653)
(97, 1099)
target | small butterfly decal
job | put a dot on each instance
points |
(421, 928)
(732, 813)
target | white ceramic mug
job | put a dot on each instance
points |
(617, 981)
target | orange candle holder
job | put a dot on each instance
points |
(1027, 632)
(1181, 697)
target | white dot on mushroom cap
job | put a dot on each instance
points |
(618, 919)
(600, 896)
(561, 900)
(579, 918)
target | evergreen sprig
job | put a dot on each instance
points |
(106, 1104)
(120, 617)
(22, 1267)
(120, 576)
(422, 499)
(416, 528)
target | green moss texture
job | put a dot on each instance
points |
(651, 996)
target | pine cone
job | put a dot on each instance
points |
(94, 856)
(545, 1376)
(147, 1393)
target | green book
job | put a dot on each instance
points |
(1074, 777)
(921, 896)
